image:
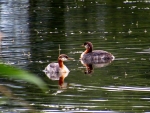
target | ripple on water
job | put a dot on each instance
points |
(124, 88)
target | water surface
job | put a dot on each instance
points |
(31, 32)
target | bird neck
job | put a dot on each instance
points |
(85, 52)
(61, 64)
(88, 50)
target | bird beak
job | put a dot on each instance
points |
(70, 58)
(82, 45)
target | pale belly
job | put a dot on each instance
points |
(64, 69)
(54, 68)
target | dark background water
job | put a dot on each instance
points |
(32, 30)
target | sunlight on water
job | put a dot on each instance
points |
(14, 26)
(29, 37)
(122, 88)
(81, 111)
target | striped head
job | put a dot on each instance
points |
(63, 57)
(88, 46)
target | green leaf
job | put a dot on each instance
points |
(22, 75)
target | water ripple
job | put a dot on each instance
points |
(123, 88)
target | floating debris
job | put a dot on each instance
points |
(129, 31)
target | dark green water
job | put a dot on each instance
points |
(32, 31)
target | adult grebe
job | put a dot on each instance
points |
(58, 67)
(91, 55)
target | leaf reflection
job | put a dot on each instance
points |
(13, 99)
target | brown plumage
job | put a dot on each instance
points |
(58, 67)
(92, 55)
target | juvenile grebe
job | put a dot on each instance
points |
(91, 55)
(58, 67)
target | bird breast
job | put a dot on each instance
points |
(54, 68)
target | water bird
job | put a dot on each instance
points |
(95, 55)
(58, 67)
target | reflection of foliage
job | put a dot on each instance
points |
(13, 100)
(12, 72)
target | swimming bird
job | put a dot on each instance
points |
(95, 55)
(58, 67)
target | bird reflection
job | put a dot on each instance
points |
(89, 68)
(58, 76)
(89, 64)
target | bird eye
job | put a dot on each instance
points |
(87, 46)
(66, 56)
